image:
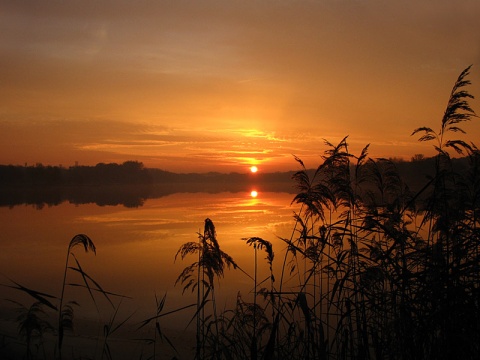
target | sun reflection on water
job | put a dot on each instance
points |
(137, 246)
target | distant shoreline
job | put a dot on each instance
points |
(130, 184)
(128, 195)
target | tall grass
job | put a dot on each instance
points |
(65, 315)
(210, 265)
(373, 270)
(33, 321)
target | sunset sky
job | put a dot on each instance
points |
(224, 85)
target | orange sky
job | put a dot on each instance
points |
(222, 85)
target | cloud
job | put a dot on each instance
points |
(167, 81)
(64, 141)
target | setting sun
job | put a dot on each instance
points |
(253, 169)
(254, 194)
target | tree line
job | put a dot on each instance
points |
(134, 172)
(38, 175)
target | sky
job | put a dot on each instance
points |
(199, 86)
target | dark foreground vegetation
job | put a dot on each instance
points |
(373, 270)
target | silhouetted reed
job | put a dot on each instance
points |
(33, 321)
(210, 265)
(32, 325)
(381, 272)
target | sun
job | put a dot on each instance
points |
(253, 193)
(253, 169)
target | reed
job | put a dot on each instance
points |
(87, 243)
(210, 266)
(32, 325)
(394, 276)
(33, 321)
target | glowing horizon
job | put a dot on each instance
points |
(199, 87)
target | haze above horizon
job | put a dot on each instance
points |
(225, 86)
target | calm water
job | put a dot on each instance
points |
(136, 247)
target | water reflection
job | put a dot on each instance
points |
(127, 195)
(136, 247)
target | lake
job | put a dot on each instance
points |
(136, 249)
(372, 261)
